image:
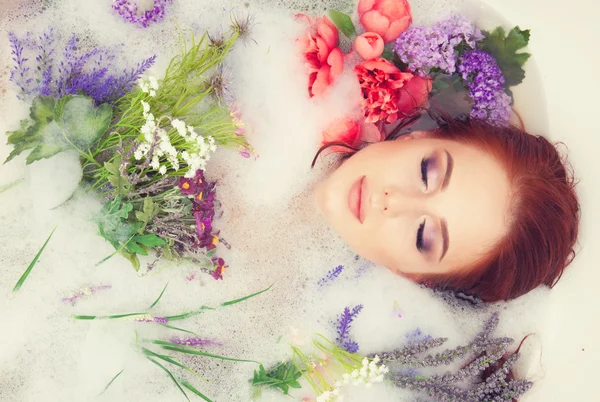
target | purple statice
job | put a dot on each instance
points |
(484, 79)
(331, 276)
(343, 324)
(128, 10)
(92, 72)
(79, 294)
(424, 49)
(160, 320)
(20, 74)
(193, 342)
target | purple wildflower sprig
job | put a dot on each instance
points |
(331, 276)
(488, 373)
(343, 324)
(75, 71)
(437, 48)
(87, 291)
(194, 342)
(128, 10)
(482, 76)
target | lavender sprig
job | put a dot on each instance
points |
(331, 276)
(192, 342)
(344, 322)
(75, 71)
(19, 74)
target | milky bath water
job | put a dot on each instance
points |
(269, 219)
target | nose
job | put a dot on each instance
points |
(392, 202)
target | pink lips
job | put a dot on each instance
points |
(355, 199)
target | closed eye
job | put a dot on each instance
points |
(424, 167)
(420, 231)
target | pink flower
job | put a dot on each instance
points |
(324, 59)
(389, 93)
(369, 45)
(350, 132)
(388, 18)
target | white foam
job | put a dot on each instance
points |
(268, 218)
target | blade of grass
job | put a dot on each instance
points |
(110, 382)
(195, 391)
(174, 362)
(180, 329)
(231, 302)
(170, 375)
(33, 262)
(106, 317)
(10, 185)
(188, 315)
(159, 296)
(190, 351)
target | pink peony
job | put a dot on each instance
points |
(350, 132)
(389, 93)
(388, 18)
(324, 59)
(369, 45)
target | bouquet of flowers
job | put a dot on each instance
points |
(143, 142)
(406, 69)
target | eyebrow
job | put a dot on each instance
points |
(449, 167)
(445, 239)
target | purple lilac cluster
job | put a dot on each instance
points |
(77, 72)
(193, 342)
(331, 276)
(436, 47)
(344, 321)
(128, 10)
(79, 294)
(485, 82)
(202, 193)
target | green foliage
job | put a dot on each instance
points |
(283, 377)
(116, 227)
(32, 263)
(72, 122)
(115, 177)
(343, 22)
(148, 212)
(504, 48)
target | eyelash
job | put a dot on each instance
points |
(420, 246)
(424, 168)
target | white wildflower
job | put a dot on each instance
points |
(155, 164)
(212, 144)
(162, 170)
(146, 107)
(180, 126)
(153, 82)
(138, 155)
(143, 85)
(152, 93)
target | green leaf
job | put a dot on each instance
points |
(148, 212)
(175, 347)
(170, 375)
(110, 382)
(231, 302)
(195, 391)
(81, 121)
(115, 177)
(72, 122)
(343, 22)
(283, 377)
(504, 48)
(159, 296)
(30, 267)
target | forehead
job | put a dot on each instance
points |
(475, 204)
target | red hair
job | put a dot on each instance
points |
(544, 214)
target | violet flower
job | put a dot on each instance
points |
(92, 73)
(79, 294)
(344, 322)
(425, 49)
(484, 79)
(331, 276)
(129, 12)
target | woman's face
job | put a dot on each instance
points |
(418, 205)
